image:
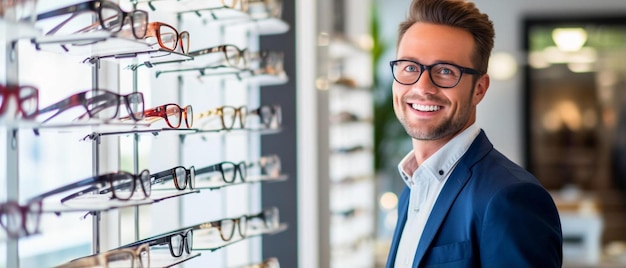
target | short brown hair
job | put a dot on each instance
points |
(455, 13)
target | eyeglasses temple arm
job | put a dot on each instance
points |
(208, 169)
(85, 182)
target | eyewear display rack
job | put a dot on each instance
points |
(222, 25)
(347, 185)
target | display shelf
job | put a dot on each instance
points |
(206, 182)
(97, 44)
(96, 202)
(259, 77)
(92, 126)
(204, 239)
(10, 31)
(161, 257)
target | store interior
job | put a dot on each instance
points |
(235, 133)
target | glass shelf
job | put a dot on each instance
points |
(203, 183)
(95, 202)
(218, 13)
(104, 45)
(203, 241)
(163, 258)
(10, 31)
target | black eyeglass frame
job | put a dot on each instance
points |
(423, 67)
(186, 241)
(241, 167)
(99, 182)
(96, 6)
(170, 174)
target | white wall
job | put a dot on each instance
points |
(500, 113)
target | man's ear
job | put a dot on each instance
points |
(480, 89)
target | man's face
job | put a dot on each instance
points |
(426, 111)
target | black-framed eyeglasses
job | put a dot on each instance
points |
(179, 242)
(121, 184)
(228, 170)
(101, 102)
(20, 220)
(132, 257)
(443, 75)
(226, 227)
(109, 15)
(181, 176)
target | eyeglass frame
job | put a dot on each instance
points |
(8, 91)
(242, 111)
(92, 182)
(154, 28)
(242, 55)
(23, 211)
(186, 241)
(219, 167)
(236, 224)
(190, 177)
(103, 258)
(80, 99)
(275, 113)
(95, 6)
(161, 112)
(423, 68)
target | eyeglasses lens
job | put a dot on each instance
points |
(228, 171)
(184, 42)
(177, 244)
(102, 104)
(111, 16)
(123, 186)
(174, 114)
(145, 182)
(180, 175)
(227, 229)
(189, 116)
(28, 101)
(135, 105)
(243, 226)
(232, 56)
(33, 216)
(140, 23)
(11, 219)
(168, 36)
(192, 180)
(228, 117)
(189, 241)
(270, 166)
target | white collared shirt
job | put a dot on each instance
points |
(425, 185)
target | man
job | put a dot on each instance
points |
(465, 204)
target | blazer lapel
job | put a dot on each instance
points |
(449, 193)
(402, 214)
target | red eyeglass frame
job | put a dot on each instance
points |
(8, 91)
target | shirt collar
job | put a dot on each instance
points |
(442, 162)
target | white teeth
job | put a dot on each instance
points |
(425, 108)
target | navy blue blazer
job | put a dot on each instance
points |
(490, 213)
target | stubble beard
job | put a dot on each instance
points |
(449, 127)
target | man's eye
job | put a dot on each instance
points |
(411, 68)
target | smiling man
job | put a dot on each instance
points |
(465, 204)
